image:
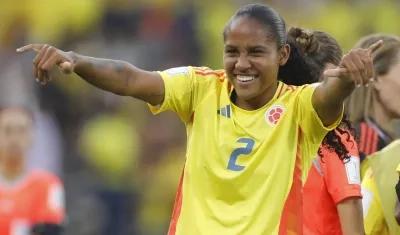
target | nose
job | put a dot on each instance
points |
(242, 63)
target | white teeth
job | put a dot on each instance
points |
(244, 78)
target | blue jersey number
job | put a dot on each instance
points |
(240, 151)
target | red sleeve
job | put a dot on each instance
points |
(342, 178)
(51, 208)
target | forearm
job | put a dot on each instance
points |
(110, 75)
(337, 90)
(351, 216)
(329, 98)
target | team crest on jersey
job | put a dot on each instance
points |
(273, 114)
(177, 71)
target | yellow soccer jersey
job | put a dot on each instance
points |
(398, 169)
(374, 219)
(365, 166)
(243, 171)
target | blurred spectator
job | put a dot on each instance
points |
(47, 150)
(110, 144)
(159, 192)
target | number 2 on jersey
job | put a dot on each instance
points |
(246, 150)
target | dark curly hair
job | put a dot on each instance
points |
(319, 49)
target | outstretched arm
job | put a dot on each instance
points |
(115, 76)
(355, 70)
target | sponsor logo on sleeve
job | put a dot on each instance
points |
(177, 71)
(353, 170)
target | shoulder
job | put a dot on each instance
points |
(183, 70)
(51, 187)
(347, 139)
(45, 178)
(193, 71)
(209, 82)
(292, 90)
(297, 96)
(196, 76)
(208, 76)
(208, 72)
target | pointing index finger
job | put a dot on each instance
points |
(374, 47)
(30, 47)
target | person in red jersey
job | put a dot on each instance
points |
(251, 137)
(332, 192)
(31, 202)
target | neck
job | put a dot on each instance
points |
(382, 118)
(11, 170)
(256, 102)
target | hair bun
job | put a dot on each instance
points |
(305, 40)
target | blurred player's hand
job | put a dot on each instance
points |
(356, 66)
(47, 58)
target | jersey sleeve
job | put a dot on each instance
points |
(52, 206)
(342, 178)
(180, 86)
(308, 119)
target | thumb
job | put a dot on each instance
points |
(374, 47)
(66, 67)
(335, 72)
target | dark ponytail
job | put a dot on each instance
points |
(316, 49)
(296, 71)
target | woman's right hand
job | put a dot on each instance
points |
(47, 58)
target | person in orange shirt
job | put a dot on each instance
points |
(332, 193)
(31, 202)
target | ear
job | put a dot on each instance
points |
(284, 53)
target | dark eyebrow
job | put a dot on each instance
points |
(258, 48)
(250, 48)
(229, 46)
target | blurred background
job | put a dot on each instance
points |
(120, 164)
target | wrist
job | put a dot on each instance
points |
(75, 58)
